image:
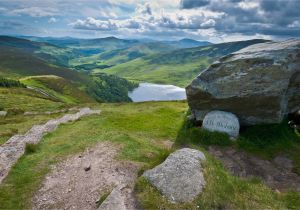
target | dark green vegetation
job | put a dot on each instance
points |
(110, 88)
(10, 83)
(177, 67)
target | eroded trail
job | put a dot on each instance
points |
(14, 148)
(80, 181)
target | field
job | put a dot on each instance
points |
(142, 129)
(142, 70)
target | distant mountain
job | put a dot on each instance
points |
(115, 57)
(49, 52)
(177, 67)
(187, 43)
(88, 46)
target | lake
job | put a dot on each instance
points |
(155, 92)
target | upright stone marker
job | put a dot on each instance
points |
(220, 121)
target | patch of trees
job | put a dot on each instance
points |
(110, 88)
(10, 83)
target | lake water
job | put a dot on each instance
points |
(155, 92)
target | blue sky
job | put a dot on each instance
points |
(212, 20)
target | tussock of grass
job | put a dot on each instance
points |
(31, 148)
(191, 135)
(102, 198)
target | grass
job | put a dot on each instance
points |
(18, 100)
(31, 148)
(19, 124)
(224, 191)
(140, 128)
(58, 88)
(265, 141)
(143, 70)
(26, 99)
(102, 198)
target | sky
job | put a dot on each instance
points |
(209, 20)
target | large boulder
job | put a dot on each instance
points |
(180, 177)
(260, 84)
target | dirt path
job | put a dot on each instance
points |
(277, 174)
(80, 181)
(14, 148)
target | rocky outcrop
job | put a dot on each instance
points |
(260, 84)
(3, 113)
(180, 176)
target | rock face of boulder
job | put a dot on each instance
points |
(224, 122)
(180, 176)
(260, 84)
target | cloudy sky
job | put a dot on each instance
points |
(212, 20)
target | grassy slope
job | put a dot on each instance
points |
(46, 51)
(27, 100)
(123, 124)
(142, 142)
(178, 67)
(59, 88)
(24, 100)
(142, 70)
(224, 191)
(118, 56)
(18, 63)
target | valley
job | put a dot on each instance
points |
(143, 116)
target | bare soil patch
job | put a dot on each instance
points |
(80, 181)
(277, 173)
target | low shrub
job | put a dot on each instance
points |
(15, 111)
(10, 83)
(31, 148)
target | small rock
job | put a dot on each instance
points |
(3, 113)
(87, 168)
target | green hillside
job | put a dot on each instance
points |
(48, 52)
(71, 87)
(178, 67)
(24, 99)
(58, 88)
(115, 57)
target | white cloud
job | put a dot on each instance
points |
(295, 24)
(147, 19)
(52, 20)
(248, 5)
(35, 11)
